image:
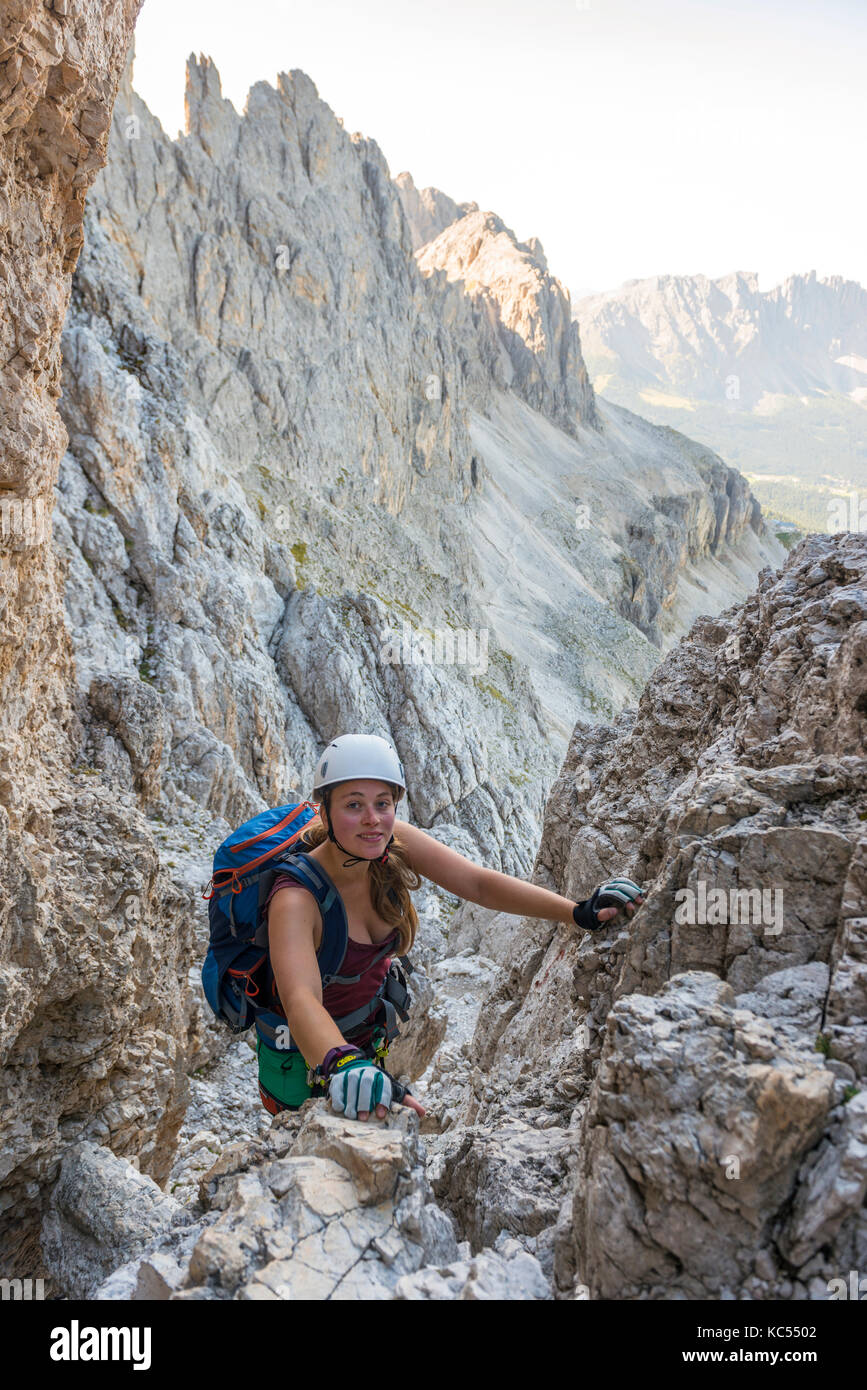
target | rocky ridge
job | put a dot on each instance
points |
(774, 380)
(701, 1073)
(428, 210)
(494, 289)
(690, 334)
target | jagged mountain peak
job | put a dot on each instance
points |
(428, 210)
(431, 212)
(501, 290)
(481, 232)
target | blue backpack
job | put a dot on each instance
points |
(237, 977)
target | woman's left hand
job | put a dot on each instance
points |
(609, 900)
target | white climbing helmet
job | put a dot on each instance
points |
(354, 756)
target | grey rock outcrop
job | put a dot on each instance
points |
(705, 1067)
(102, 1213)
(428, 210)
(320, 1208)
(66, 943)
(493, 289)
(688, 1169)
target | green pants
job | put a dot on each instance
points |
(283, 1075)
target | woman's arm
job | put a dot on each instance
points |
(461, 876)
(291, 925)
(503, 893)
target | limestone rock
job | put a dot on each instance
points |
(505, 1273)
(411, 1053)
(698, 1065)
(266, 400)
(134, 710)
(326, 1208)
(330, 1208)
(698, 1119)
(832, 1186)
(492, 289)
(59, 71)
(374, 1158)
(428, 210)
(103, 1211)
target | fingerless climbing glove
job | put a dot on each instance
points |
(617, 892)
(356, 1084)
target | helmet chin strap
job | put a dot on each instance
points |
(354, 858)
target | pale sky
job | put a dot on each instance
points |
(633, 138)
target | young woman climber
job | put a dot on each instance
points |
(373, 862)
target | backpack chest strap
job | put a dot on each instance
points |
(392, 996)
(353, 979)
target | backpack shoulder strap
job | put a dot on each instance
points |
(335, 929)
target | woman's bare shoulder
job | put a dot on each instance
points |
(292, 908)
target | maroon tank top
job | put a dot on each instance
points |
(340, 1000)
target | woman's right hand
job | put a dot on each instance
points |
(359, 1086)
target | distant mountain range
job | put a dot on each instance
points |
(775, 381)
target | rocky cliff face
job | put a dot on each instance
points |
(497, 290)
(700, 1075)
(428, 210)
(290, 448)
(59, 70)
(83, 1033)
(500, 301)
(260, 506)
(517, 335)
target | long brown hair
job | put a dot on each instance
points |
(391, 883)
